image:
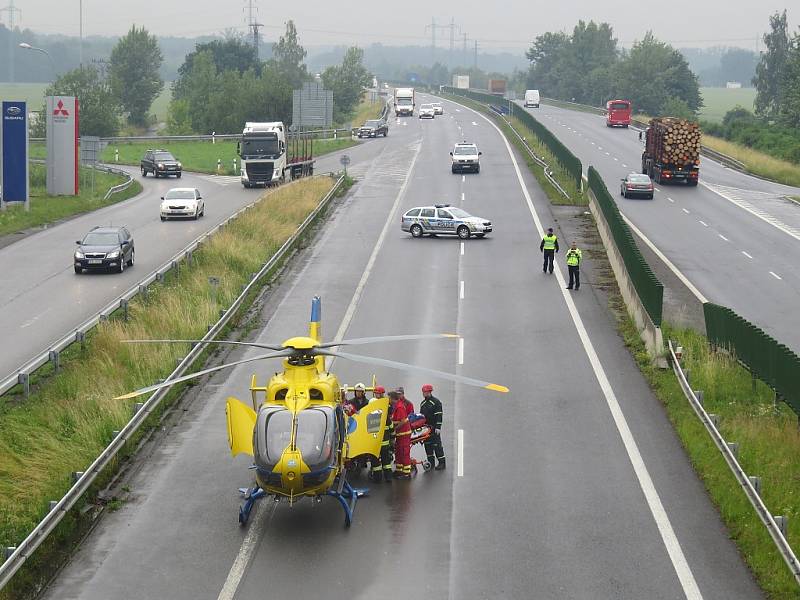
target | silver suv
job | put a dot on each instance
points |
(465, 157)
(443, 219)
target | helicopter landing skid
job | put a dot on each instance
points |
(250, 495)
(347, 497)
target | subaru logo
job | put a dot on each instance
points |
(13, 111)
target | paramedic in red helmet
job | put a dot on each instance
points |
(431, 407)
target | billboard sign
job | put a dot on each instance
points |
(14, 132)
(62, 145)
(312, 106)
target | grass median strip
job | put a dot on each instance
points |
(49, 209)
(198, 156)
(68, 420)
(769, 446)
(559, 173)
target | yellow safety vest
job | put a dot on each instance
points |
(574, 257)
(550, 242)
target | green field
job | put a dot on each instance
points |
(33, 93)
(718, 101)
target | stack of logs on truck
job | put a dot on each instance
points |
(672, 151)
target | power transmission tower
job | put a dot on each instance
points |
(464, 56)
(11, 10)
(253, 24)
(453, 28)
(432, 27)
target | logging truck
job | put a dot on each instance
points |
(672, 151)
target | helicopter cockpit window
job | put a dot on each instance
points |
(276, 427)
(281, 394)
(315, 436)
(315, 394)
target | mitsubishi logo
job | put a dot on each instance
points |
(60, 110)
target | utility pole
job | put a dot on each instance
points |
(12, 11)
(452, 38)
(464, 57)
(432, 27)
(253, 24)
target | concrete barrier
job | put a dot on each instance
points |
(649, 332)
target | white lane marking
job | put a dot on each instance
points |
(666, 261)
(463, 178)
(462, 196)
(615, 158)
(608, 153)
(670, 199)
(671, 543)
(250, 544)
(746, 254)
(599, 147)
(474, 123)
(656, 189)
(460, 350)
(624, 165)
(775, 275)
(703, 223)
(460, 461)
(684, 210)
(723, 237)
(592, 143)
(767, 218)
(461, 290)
(462, 248)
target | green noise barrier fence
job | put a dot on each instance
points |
(770, 361)
(648, 287)
(564, 156)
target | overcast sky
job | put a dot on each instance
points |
(362, 22)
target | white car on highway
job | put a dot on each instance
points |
(426, 111)
(182, 202)
(438, 109)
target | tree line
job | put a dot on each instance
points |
(588, 66)
(220, 85)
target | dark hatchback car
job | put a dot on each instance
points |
(105, 248)
(636, 184)
(160, 163)
(374, 128)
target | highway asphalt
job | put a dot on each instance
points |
(735, 237)
(574, 485)
(42, 299)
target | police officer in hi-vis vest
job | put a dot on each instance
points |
(574, 266)
(549, 247)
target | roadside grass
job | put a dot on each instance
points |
(576, 197)
(718, 100)
(46, 209)
(69, 417)
(769, 446)
(160, 105)
(757, 162)
(367, 110)
(196, 156)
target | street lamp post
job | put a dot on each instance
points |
(27, 46)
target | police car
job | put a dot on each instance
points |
(443, 219)
(465, 157)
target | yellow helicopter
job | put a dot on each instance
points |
(299, 434)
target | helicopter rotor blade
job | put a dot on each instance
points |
(383, 362)
(152, 388)
(275, 347)
(387, 338)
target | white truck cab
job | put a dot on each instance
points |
(404, 102)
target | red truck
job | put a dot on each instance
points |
(497, 86)
(618, 113)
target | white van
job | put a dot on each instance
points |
(532, 98)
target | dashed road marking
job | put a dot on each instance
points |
(775, 275)
(460, 461)
(684, 210)
(723, 237)
(746, 254)
(462, 196)
(624, 165)
(463, 178)
(461, 350)
(462, 248)
(615, 158)
(670, 199)
(703, 223)
(608, 153)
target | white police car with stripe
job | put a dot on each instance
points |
(443, 219)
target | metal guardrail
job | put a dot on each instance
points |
(197, 138)
(117, 188)
(545, 167)
(749, 484)
(20, 554)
